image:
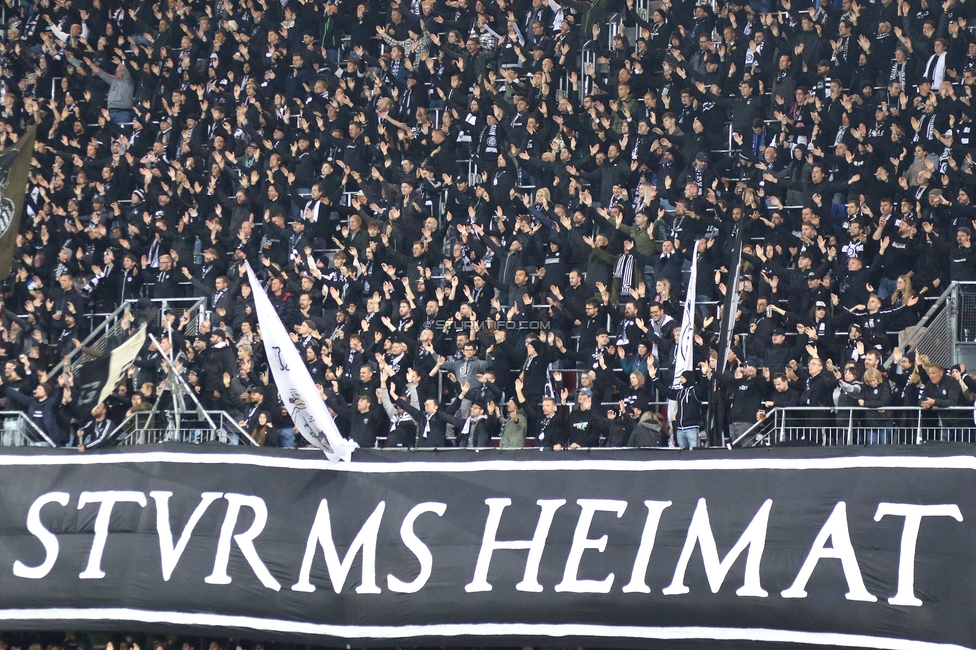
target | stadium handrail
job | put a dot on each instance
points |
(849, 425)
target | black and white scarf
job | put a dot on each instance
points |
(898, 72)
(624, 271)
(469, 424)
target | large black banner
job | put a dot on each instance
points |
(872, 550)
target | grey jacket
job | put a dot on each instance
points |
(513, 433)
(120, 91)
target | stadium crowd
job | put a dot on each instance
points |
(121, 641)
(531, 295)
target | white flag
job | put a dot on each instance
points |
(295, 385)
(684, 359)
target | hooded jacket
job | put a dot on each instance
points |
(647, 433)
(689, 396)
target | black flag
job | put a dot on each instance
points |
(14, 173)
(97, 379)
(717, 422)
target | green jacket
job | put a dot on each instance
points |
(513, 433)
(644, 240)
(590, 12)
(640, 261)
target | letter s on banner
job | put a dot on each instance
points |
(46, 537)
(417, 547)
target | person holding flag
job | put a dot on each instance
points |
(686, 392)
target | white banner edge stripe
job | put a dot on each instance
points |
(553, 630)
(611, 465)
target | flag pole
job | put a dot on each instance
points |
(716, 420)
(182, 383)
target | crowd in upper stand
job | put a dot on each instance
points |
(478, 217)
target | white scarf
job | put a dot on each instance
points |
(935, 69)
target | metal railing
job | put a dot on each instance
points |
(146, 427)
(194, 307)
(643, 9)
(828, 427)
(112, 331)
(964, 296)
(98, 340)
(946, 334)
(500, 450)
(932, 336)
(17, 430)
(588, 59)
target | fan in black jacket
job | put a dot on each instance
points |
(816, 389)
(402, 431)
(164, 283)
(500, 182)
(689, 414)
(622, 427)
(548, 426)
(222, 360)
(777, 354)
(748, 388)
(477, 429)
(502, 358)
(535, 372)
(365, 421)
(944, 391)
(96, 433)
(106, 285)
(597, 358)
(43, 409)
(130, 280)
(431, 423)
(585, 424)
